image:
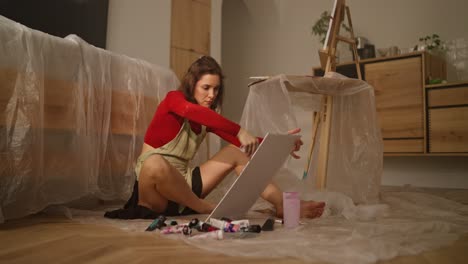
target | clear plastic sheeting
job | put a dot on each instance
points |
(355, 159)
(72, 119)
(408, 221)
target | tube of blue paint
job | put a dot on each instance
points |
(157, 223)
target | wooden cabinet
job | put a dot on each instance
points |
(399, 101)
(416, 119)
(448, 118)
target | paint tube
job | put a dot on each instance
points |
(201, 226)
(157, 223)
(279, 221)
(171, 222)
(193, 223)
(205, 227)
(186, 230)
(241, 223)
(218, 235)
(252, 229)
(223, 225)
(218, 223)
(175, 229)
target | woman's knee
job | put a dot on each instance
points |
(236, 153)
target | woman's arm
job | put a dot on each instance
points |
(199, 114)
(177, 104)
(229, 138)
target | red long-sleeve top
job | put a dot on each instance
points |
(170, 116)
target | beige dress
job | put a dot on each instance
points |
(178, 152)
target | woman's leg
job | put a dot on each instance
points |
(159, 182)
(220, 165)
(230, 157)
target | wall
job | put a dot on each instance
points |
(268, 37)
(140, 29)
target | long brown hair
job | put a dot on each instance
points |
(203, 65)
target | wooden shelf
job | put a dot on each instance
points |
(416, 119)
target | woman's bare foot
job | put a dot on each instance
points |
(309, 209)
(312, 209)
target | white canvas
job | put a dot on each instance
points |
(258, 172)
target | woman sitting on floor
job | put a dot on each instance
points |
(165, 183)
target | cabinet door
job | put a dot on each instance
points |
(399, 100)
(448, 119)
(448, 130)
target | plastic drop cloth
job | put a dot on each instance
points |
(355, 158)
(72, 119)
(408, 221)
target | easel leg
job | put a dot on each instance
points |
(322, 162)
(315, 125)
(328, 62)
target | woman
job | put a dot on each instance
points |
(165, 183)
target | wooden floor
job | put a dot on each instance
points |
(48, 239)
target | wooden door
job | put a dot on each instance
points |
(190, 33)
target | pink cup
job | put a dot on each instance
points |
(291, 207)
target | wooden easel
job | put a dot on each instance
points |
(322, 119)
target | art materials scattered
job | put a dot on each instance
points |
(186, 230)
(251, 229)
(174, 229)
(193, 223)
(172, 222)
(205, 227)
(268, 225)
(241, 223)
(201, 226)
(218, 234)
(157, 223)
(225, 226)
(216, 229)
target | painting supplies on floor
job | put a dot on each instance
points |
(215, 229)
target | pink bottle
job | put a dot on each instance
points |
(291, 207)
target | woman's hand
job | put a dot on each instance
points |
(297, 144)
(248, 142)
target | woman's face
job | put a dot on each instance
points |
(206, 89)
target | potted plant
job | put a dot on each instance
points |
(320, 28)
(433, 44)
